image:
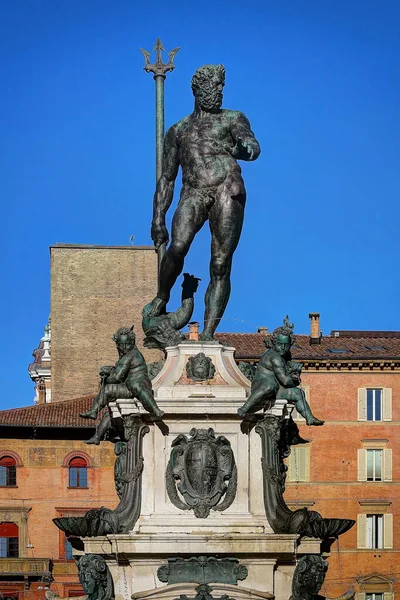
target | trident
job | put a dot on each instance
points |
(159, 69)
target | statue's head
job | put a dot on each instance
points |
(283, 338)
(207, 85)
(124, 339)
(95, 577)
(308, 577)
(199, 367)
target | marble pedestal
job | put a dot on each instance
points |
(163, 531)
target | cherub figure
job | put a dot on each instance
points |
(162, 329)
(278, 377)
(128, 378)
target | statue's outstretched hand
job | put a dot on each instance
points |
(159, 233)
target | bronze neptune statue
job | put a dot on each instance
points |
(207, 145)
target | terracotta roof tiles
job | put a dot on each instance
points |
(54, 414)
(251, 346)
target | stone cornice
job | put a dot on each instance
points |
(326, 365)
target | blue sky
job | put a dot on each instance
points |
(319, 82)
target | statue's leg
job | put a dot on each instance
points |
(261, 391)
(101, 429)
(298, 397)
(143, 391)
(98, 403)
(226, 220)
(108, 392)
(188, 219)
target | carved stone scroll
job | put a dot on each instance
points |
(128, 484)
(276, 439)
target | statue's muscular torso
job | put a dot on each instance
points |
(205, 144)
(130, 366)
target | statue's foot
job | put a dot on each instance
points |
(206, 337)
(314, 421)
(94, 440)
(157, 412)
(241, 411)
(90, 414)
(157, 307)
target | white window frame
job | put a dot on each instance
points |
(366, 532)
(374, 390)
(374, 595)
(386, 460)
(377, 463)
(386, 403)
(374, 531)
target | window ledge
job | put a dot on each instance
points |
(9, 486)
(78, 487)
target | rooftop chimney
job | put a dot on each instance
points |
(262, 330)
(315, 334)
(194, 331)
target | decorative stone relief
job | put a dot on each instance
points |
(202, 569)
(308, 577)
(203, 470)
(200, 367)
(120, 467)
(95, 577)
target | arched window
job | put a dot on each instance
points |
(8, 540)
(77, 472)
(8, 471)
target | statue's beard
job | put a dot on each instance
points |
(209, 101)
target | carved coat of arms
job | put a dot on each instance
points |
(203, 470)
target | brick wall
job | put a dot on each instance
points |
(94, 291)
(333, 485)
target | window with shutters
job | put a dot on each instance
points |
(78, 473)
(8, 472)
(375, 530)
(375, 404)
(8, 540)
(299, 464)
(375, 461)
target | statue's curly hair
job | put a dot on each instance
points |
(101, 575)
(124, 331)
(207, 72)
(285, 329)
